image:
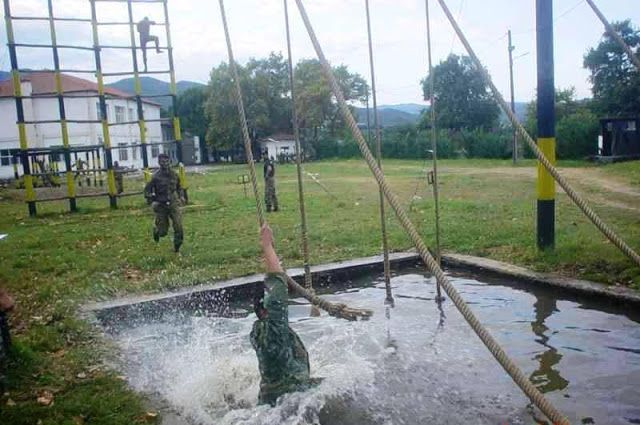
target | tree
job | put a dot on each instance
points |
(190, 106)
(461, 96)
(616, 81)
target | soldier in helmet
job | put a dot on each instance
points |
(269, 173)
(144, 27)
(166, 195)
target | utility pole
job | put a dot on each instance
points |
(546, 123)
(513, 103)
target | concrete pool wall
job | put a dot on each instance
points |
(219, 296)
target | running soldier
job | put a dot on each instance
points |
(282, 357)
(145, 37)
(166, 196)
(269, 172)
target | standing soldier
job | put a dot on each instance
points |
(145, 37)
(270, 198)
(119, 175)
(166, 195)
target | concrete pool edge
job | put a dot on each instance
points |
(202, 296)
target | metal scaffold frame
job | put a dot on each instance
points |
(27, 154)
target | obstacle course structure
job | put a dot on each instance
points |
(100, 152)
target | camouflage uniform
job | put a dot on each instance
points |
(270, 198)
(165, 192)
(118, 172)
(283, 360)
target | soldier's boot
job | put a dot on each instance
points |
(156, 235)
(176, 247)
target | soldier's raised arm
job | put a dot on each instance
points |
(276, 292)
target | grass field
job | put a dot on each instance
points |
(57, 261)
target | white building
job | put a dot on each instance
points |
(120, 109)
(278, 144)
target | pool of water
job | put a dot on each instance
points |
(413, 364)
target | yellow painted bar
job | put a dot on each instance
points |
(111, 182)
(22, 132)
(105, 134)
(546, 183)
(182, 176)
(28, 185)
(65, 133)
(143, 131)
(17, 89)
(176, 128)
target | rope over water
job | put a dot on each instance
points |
(337, 310)
(501, 356)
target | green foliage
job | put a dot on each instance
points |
(577, 127)
(190, 106)
(266, 97)
(616, 81)
(461, 96)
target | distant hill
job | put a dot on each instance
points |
(4, 75)
(389, 117)
(151, 86)
(521, 112)
(411, 108)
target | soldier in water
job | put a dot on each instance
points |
(144, 27)
(282, 357)
(166, 195)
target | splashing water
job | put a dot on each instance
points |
(420, 365)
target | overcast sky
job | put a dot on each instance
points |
(399, 35)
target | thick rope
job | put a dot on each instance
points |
(434, 141)
(338, 310)
(296, 135)
(376, 124)
(632, 57)
(581, 203)
(512, 369)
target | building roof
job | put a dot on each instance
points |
(43, 83)
(279, 137)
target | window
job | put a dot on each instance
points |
(631, 126)
(120, 114)
(5, 157)
(132, 117)
(134, 151)
(123, 152)
(98, 111)
(155, 151)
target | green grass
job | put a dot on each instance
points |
(57, 261)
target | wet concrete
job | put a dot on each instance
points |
(413, 364)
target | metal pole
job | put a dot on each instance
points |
(376, 124)
(71, 189)
(177, 133)
(434, 143)
(546, 123)
(106, 136)
(30, 194)
(513, 103)
(138, 90)
(296, 135)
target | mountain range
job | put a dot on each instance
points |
(150, 87)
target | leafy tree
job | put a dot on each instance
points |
(576, 126)
(461, 96)
(190, 106)
(616, 81)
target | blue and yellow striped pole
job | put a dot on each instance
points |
(138, 90)
(30, 194)
(71, 188)
(106, 137)
(177, 133)
(546, 123)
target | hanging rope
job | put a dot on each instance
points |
(338, 310)
(434, 141)
(632, 57)
(581, 203)
(383, 226)
(296, 135)
(509, 366)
